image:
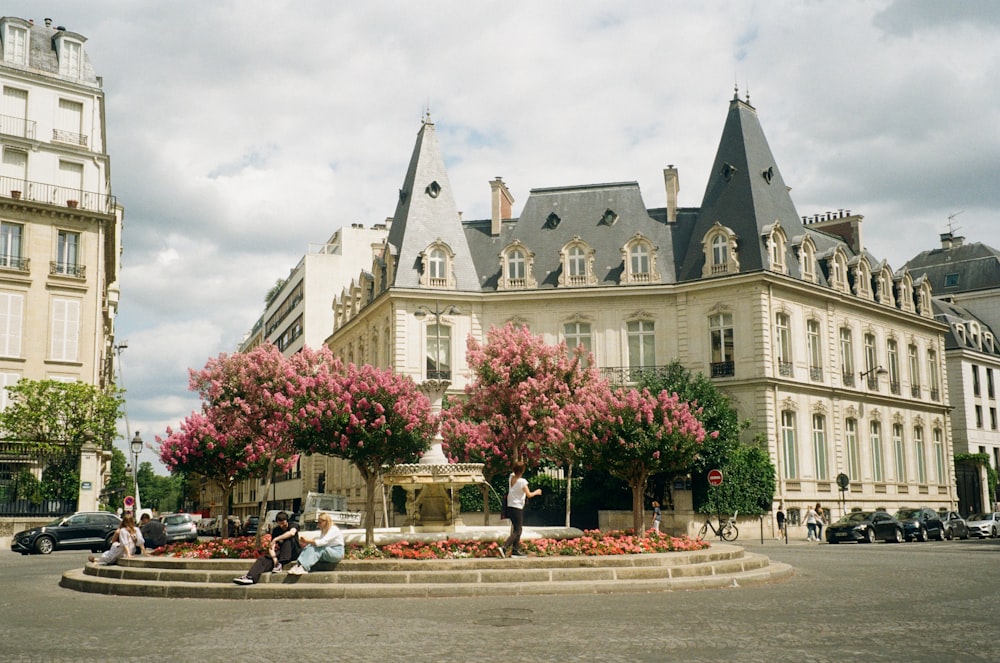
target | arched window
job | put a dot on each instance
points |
(639, 260)
(437, 262)
(720, 251)
(776, 241)
(516, 264)
(719, 245)
(807, 259)
(577, 264)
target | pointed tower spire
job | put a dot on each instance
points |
(426, 214)
(745, 193)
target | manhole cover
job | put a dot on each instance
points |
(501, 617)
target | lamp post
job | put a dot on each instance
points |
(877, 370)
(136, 445)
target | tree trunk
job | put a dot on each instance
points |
(371, 483)
(569, 491)
(263, 502)
(638, 492)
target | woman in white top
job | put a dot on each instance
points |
(517, 494)
(327, 547)
(128, 539)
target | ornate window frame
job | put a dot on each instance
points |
(807, 259)
(884, 280)
(776, 241)
(923, 294)
(438, 253)
(572, 251)
(904, 291)
(721, 247)
(630, 275)
(836, 269)
(862, 278)
(507, 280)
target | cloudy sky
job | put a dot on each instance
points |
(242, 131)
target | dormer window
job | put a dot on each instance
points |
(837, 270)
(904, 291)
(433, 189)
(577, 264)
(639, 259)
(69, 50)
(974, 338)
(988, 342)
(719, 245)
(884, 293)
(775, 239)
(923, 289)
(516, 265)
(551, 221)
(807, 260)
(15, 44)
(960, 332)
(437, 266)
(863, 279)
(608, 218)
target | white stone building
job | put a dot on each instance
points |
(60, 225)
(833, 356)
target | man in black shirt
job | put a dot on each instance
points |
(284, 548)
(153, 531)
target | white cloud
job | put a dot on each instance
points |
(240, 132)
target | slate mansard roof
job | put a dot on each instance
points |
(958, 267)
(746, 194)
(42, 56)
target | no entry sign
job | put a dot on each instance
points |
(715, 478)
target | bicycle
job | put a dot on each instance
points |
(726, 531)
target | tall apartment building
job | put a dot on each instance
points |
(60, 226)
(833, 357)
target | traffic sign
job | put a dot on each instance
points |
(715, 478)
(129, 502)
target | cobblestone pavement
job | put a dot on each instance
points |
(934, 601)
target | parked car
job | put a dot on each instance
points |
(250, 525)
(180, 527)
(954, 525)
(920, 523)
(84, 530)
(865, 527)
(984, 525)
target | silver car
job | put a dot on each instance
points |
(984, 525)
(180, 527)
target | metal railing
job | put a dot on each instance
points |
(847, 379)
(722, 369)
(11, 125)
(935, 395)
(15, 262)
(894, 387)
(68, 269)
(785, 369)
(915, 390)
(44, 509)
(50, 194)
(815, 374)
(63, 136)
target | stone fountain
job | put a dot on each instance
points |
(432, 484)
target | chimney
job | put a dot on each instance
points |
(672, 182)
(48, 22)
(958, 241)
(501, 207)
(946, 241)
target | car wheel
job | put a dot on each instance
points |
(993, 533)
(921, 534)
(940, 536)
(948, 535)
(870, 535)
(966, 536)
(44, 545)
(899, 536)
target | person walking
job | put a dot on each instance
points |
(780, 518)
(820, 521)
(517, 495)
(656, 516)
(283, 549)
(327, 547)
(811, 524)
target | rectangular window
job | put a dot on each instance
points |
(11, 321)
(15, 167)
(721, 332)
(69, 123)
(6, 380)
(815, 351)
(914, 371)
(68, 253)
(932, 375)
(65, 329)
(641, 344)
(897, 445)
(871, 361)
(847, 356)
(878, 474)
(920, 453)
(820, 455)
(70, 54)
(975, 381)
(993, 418)
(70, 182)
(15, 45)
(892, 354)
(979, 416)
(576, 334)
(788, 444)
(784, 344)
(10, 245)
(853, 452)
(14, 114)
(941, 468)
(989, 383)
(438, 363)
(639, 257)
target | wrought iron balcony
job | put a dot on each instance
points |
(62, 136)
(872, 383)
(815, 374)
(50, 194)
(786, 369)
(915, 390)
(935, 395)
(68, 269)
(16, 263)
(723, 369)
(847, 379)
(894, 387)
(17, 126)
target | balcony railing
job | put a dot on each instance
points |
(935, 395)
(68, 269)
(815, 374)
(439, 375)
(15, 262)
(50, 194)
(872, 382)
(915, 390)
(723, 369)
(847, 379)
(785, 369)
(894, 387)
(63, 136)
(17, 126)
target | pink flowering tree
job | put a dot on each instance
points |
(369, 416)
(521, 404)
(243, 429)
(637, 434)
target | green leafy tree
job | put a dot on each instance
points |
(54, 420)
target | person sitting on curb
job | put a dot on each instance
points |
(283, 549)
(153, 531)
(327, 547)
(124, 543)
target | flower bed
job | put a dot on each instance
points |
(593, 542)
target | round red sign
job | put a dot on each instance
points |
(715, 477)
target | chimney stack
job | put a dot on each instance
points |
(946, 241)
(501, 207)
(48, 22)
(672, 182)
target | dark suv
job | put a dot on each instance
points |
(86, 530)
(921, 523)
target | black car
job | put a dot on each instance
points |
(865, 527)
(250, 525)
(86, 530)
(921, 523)
(955, 526)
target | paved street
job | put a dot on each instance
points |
(934, 601)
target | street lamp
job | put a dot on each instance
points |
(421, 313)
(136, 450)
(877, 370)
